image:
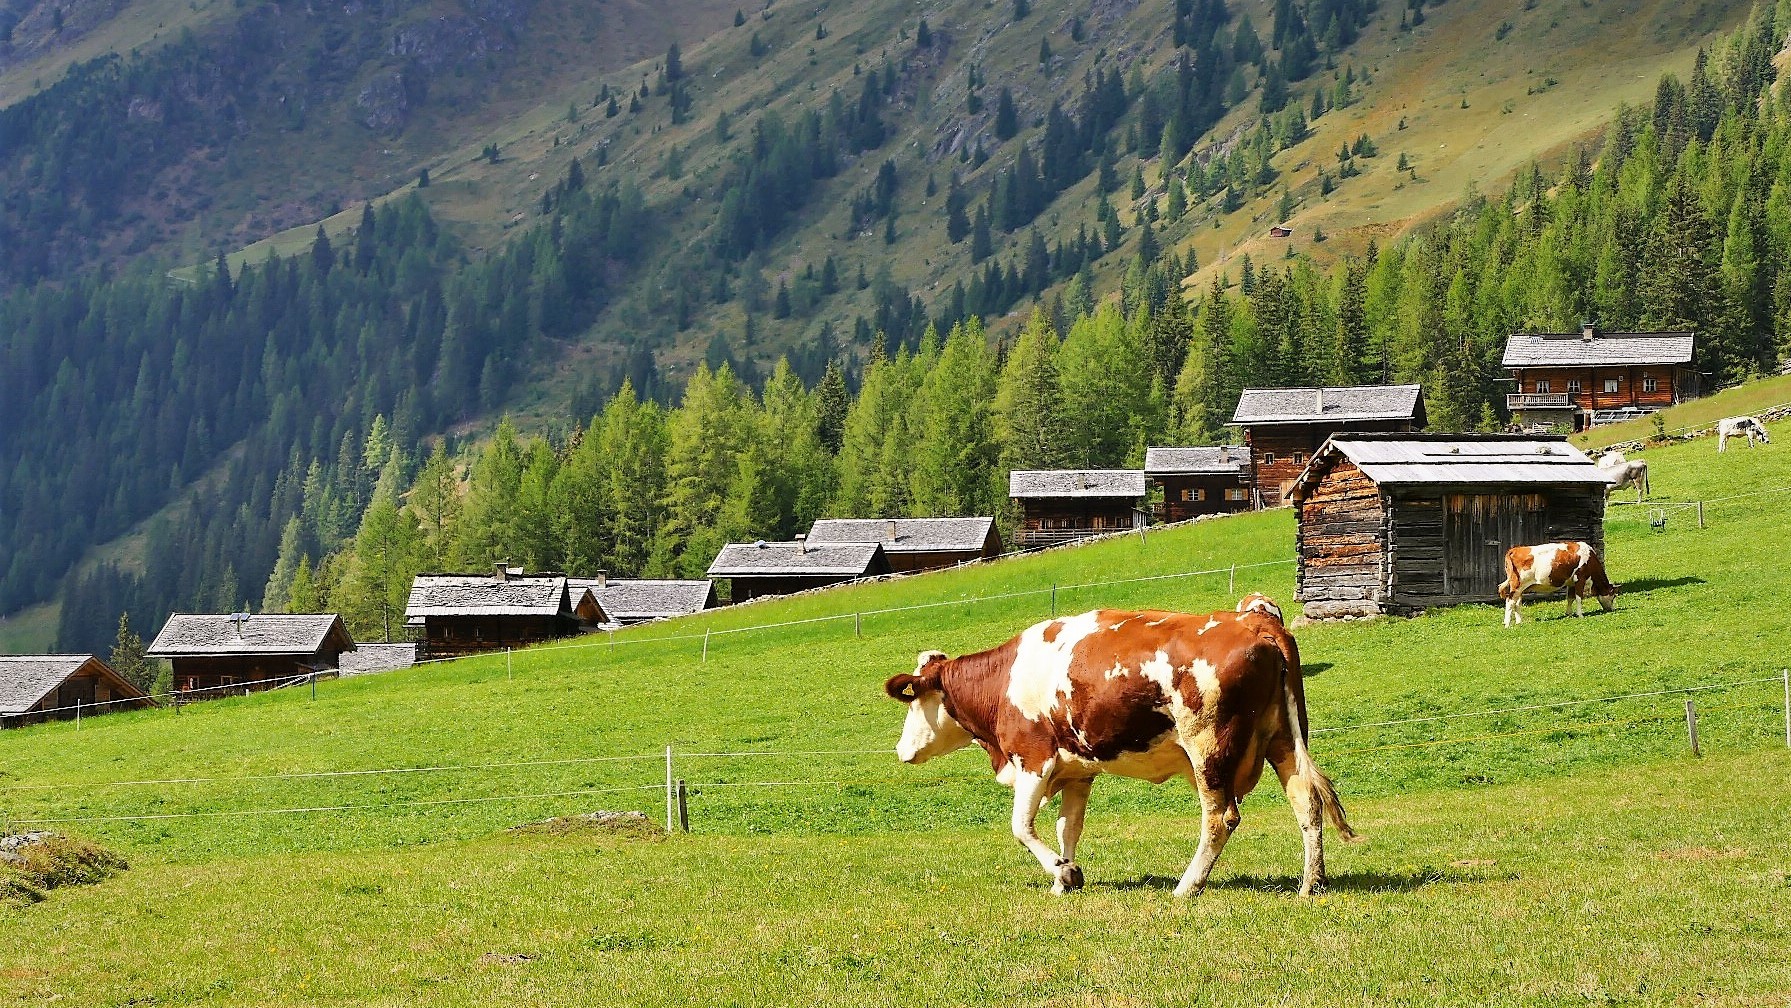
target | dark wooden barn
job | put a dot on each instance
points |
(1397, 524)
(467, 613)
(1199, 481)
(757, 569)
(226, 654)
(627, 601)
(1283, 427)
(1571, 381)
(915, 544)
(1063, 505)
(58, 686)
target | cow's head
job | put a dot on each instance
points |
(1259, 603)
(930, 729)
(1760, 432)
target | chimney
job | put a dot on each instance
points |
(1321, 400)
(1588, 329)
(892, 531)
(603, 579)
(502, 570)
(238, 619)
(802, 542)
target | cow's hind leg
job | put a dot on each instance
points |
(1302, 794)
(1219, 816)
(1072, 805)
(1030, 791)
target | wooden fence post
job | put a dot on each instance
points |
(670, 799)
(1231, 582)
(858, 624)
(1787, 675)
(1700, 514)
(1691, 725)
(705, 648)
(683, 807)
(508, 673)
(1053, 601)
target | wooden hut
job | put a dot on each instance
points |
(466, 613)
(916, 544)
(1063, 505)
(1283, 427)
(241, 652)
(57, 686)
(1398, 523)
(627, 601)
(1571, 381)
(757, 569)
(1199, 481)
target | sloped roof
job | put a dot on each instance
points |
(820, 559)
(1604, 348)
(26, 679)
(1455, 459)
(367, 658)
(1225, 460)
(1111, 483)
(262, 633)
(636, 599)
(911, 535)
(1329, 404)
(486, 595)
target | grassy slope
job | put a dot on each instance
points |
(1741, 400)
(1594, 861)
(141, 25)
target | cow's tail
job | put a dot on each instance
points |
(1294, 694)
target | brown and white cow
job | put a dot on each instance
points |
(1258, 602)
(1550, 567)
(1152, 695)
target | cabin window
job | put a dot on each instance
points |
(1650, 385)
(1610, 386)
(1190, 494)
(1299, 458)
(1573, 385)
(1542, 386)
(1236, 494)
(1268, 458)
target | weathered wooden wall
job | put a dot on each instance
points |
(1211, 487)
(453, 635)
(1341, 544)
(1673, 385)
(1048, 520)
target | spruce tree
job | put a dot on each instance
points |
(128, 659)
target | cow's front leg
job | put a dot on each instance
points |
(1072, 805)
(1029, 794)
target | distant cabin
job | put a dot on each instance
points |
(916, 544)
(1280, 231)
(1283, 427)
(1572, 381)
(236, 653)
(627, 601)
(758, 569)
(56, 686)
(467, 613)
(1199, 481)
(1063, 505)
(1399, 523)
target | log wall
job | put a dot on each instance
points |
(1341, 544)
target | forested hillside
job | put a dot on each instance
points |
(290, 429)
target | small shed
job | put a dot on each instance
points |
(466, 613)
(916, 544)
(57, 686)
(241, 652)
(1399, 523)
(1283, 427)
(1200, 481)
(1063, 505)
(627, 601)
(757, 569)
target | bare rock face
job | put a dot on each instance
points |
(384, 103)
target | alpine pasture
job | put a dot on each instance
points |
(1565, 853)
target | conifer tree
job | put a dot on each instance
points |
(127, 658)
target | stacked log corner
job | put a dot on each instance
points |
(1343, 528)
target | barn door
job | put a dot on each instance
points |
(1477, 530)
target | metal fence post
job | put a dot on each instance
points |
(670, 799)
(1053, 600)
(1231, 581)
(77, 715)
(508, 672)
(705, 649)
(1787, 674)
(1691, 725)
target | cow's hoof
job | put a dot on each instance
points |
(1069, 879)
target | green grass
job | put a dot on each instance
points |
(1574, 856)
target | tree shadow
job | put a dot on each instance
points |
(1642, 586)
(1405, 881)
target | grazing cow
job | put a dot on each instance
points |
(1740, 426)
(1622, 474)
(1151, 695)
(1551, 567)
(1258, 602)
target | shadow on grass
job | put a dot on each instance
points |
(1642, 586)
(1360, 881)
(1310, 670)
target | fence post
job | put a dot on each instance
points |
(1054, 600)
(1691, 725)
(1787, 675)
(1231, 582)
(313, 687)
(612, 643)
(77, 715)
(1700, 514)
(683, 807)
(508, 673)
(705, 662)
(670, 799)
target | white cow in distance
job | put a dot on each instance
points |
(1619, 472)
(1740, 426)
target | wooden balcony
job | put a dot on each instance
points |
(1538, 400)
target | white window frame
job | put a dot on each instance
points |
(1610, 385)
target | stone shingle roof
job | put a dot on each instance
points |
(486, 595)
(27, 679)
(1111, 483)
(1456, 460)
(1604, 348)
(1221, 460)
(263, 633)
(633, 600)
(1329, 405)
(819, 559)
(907, 535)
(367, 658)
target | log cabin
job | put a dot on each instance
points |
(1283, 427)
(1572, 381)
(916, 544)
(37, 688)
(467, 613)
(757, 569)
(627, 601)
(219, 654)
(1395, 524)
(1063, 505)
(1199, 481)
